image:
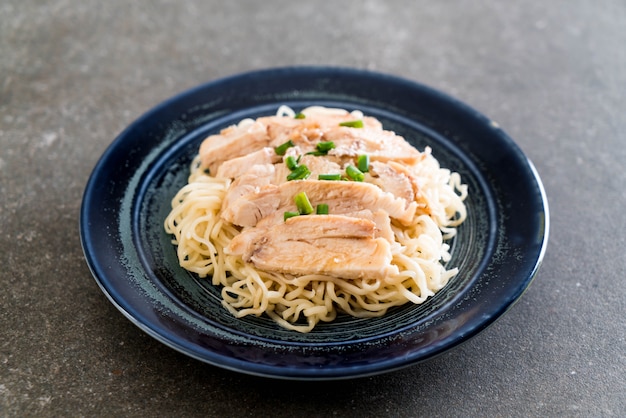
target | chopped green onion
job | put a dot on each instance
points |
(291, 163)
(303, 204)
(322, 209)
(322, 148)
(325, 146)
(288, 215)
(363, 163)
(354, 173)
(352, 123)
(329, 177)
(281, 149)
(301, 172)
(299, 115)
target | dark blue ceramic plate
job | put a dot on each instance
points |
(498, 249)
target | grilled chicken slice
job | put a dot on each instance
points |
(303, 132)
(232, 142)
(238, 166)
(258, 177)
(307, 132)
(318, 125)
(316, 166)
(340, 196)
(333, 245)
(379, 144)
(391, 178)
(380, 218)
(382, 221)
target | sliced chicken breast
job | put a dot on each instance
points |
(238, 166)
(340, 196)
(390, 178)
(379, 144)
(232, 142)
(334, 245)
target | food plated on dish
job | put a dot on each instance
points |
(482, 253)
(301, 216)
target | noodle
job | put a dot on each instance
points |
(298, 303)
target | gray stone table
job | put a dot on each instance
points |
(74, 74)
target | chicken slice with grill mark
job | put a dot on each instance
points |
(380, 218)
(302, 132)
(307, 132)
(382, 221)
(238, 166)
(340, 196)
(316, 166)
(258, 177)
(379, 144)
(391, 179)
(333, 245)
(232, 142)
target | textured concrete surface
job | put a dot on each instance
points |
(74, 73)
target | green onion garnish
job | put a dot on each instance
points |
(299, 115)
(329, 177)
(303, 204)
(352, 123)
(322, 209)
(322, 148)
(291, 163)
(354, 173)
(281, 149)
(301, 172)
(288, 215)
(363, 163)
(325, 146)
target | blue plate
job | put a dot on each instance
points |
(498, 249)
